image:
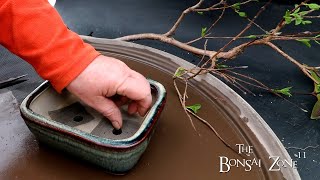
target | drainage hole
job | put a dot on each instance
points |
(116, 131)
(78, 118)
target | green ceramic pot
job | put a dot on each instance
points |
(116, 154)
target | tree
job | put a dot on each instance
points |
(212, 61)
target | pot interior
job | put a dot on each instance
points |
(70, 111)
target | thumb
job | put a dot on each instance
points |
(108, 109)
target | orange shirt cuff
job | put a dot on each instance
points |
(65, 79)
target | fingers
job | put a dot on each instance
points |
(133, 107)
(144, 105)
(120, 100)
(136, 88)
(108, 109)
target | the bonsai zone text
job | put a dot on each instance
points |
(226, 164)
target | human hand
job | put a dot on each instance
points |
(106, 77)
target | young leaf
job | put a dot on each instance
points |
(287, 17)
(303, 13)
(288, 20)
(251, 36)
(284, 91)
(317, 88)
(313, 6)
(195, 108)
(316, 111)
(199, 12)
(315, 76)
(221, 66)
(317, 36)
(306, 22)
(241, 14)
(203, 31)
(236, 6)
(305, 42)
(298, 20)
(179, 72)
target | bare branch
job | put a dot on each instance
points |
(214, 7)
(238, 80)
(182, 102)
(219, 18)
(282, 23)
(312, 17)
(302, 67)
(241, 33)
(184, 13)
(168, 40)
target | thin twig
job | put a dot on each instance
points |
(282, 23)
(312, 17)
(291, 59)
(197, 39)
(205, 49)
(183, 104)
(214, 131)
(303, 149)
(219, 18)
(212, 8)
(243, 31)
(184, 13)
(269, 89)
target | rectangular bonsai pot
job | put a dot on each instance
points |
(63, 122)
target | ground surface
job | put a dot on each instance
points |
(111, 19)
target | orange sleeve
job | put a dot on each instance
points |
(34, 31)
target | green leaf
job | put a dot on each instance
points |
(313, 6)
(317, 88)
(251, 36)
(287, 14)
(179, 72)
(317, 36)
(287, 17)
(221, 66)
(203, 31)
(236, 6)
(284, 91)
(305, 42)
(199, 12)
(288, 20)
(242, 14)
(195, 108)
(306, 22)
(315, 114)
(315, 76)
(297, 10)
(298, 20)
(303, 13)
